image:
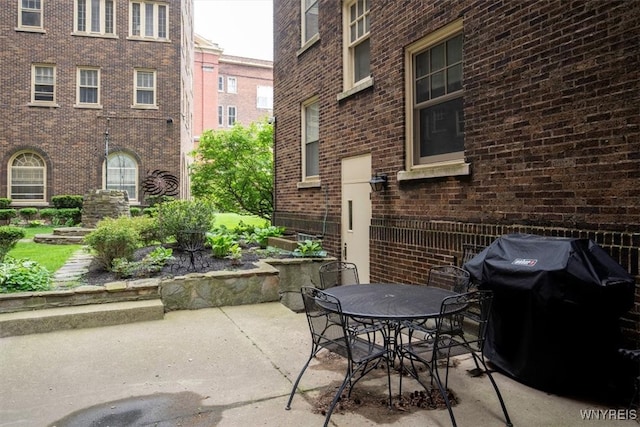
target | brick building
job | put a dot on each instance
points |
(83, 79)
(229, 89)
(485, 117)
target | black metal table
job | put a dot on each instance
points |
(390, 302)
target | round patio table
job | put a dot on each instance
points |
(389, 301)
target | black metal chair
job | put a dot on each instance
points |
(469, 251)
(449, 277)
(331, 330)
(634, 357)
(336, 273)
(461, 328)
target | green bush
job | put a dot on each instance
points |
(182, 219)
(23, 275)
(67, 202)
(67, 216)
(261, 235)
(28, 213)
(221, 244)
(6, 214)
(150, 264)
(5, 203)
(113, 238)
(9, 236)
(147, 229)
(154, 201)
(48, 213)
(135, 211)
(152, 212)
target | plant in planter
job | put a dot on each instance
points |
(310, 248)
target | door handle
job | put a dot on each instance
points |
(344, 252)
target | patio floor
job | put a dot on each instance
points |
(230, 366)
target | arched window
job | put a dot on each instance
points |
(122, 174)
(27, 174)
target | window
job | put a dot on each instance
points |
(220, 115)
(357, 52)
(122, 174)
(88, 87)
(96, 17)
(309, 20)
(43, 84)
(27, 178)
(232, 85)
(310, 139)
(145, 88)
(30, 14)
(149, 20)
(265, 97)
(220, 83)
(435, 123)
(231, 116)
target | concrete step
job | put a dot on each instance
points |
(80, 316)
(54, 239)
(72, 231)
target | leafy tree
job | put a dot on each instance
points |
(234, 168)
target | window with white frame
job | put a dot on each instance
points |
(357, 58)
(145, 88)
(231, 115)
(310, 139)
(149, 20)
(88, 87)
(265, 97)
(122, 174)
(435, 126)
(232, 85)
(30, 14)
(27, 175)
(43, 78)
(309, 20)
(95, 17)
(220, 115)
(220, 83)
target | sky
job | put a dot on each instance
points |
(239, 27)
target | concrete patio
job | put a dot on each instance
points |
(229, 366)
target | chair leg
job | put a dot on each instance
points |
(497, 390)
(295, 385)
(443, 391)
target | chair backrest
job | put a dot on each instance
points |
(336, 273)
(449, 277)
(463, 321)
(326, 321)
(469, 251)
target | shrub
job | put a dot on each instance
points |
(48, 213)
(221, 244)
(152, 263)
(6, 214)
(147, 229)
(261, 235)
(23, 275)
(135, 211)
(113, 238)
(5, 203)
(152, 212)
(67, 216)
(67, 202)
(9, 236)
(182, 219)
(28, 213)
(154, 201)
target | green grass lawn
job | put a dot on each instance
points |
(54, 256)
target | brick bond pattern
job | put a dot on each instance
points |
(552, 130)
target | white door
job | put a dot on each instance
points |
(356, 213)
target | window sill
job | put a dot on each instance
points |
(88, 106)
(97, 35)
(148, 39)
(145, 107)
(310, 43)
(308, 184)
(436, 170)
(29, 203)
(365, 84)
(44, 104)
(30, 30)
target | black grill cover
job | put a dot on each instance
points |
(557, 303)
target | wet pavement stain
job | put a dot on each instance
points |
(158, 410)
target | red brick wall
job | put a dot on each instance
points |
(71, 139)
(552, 129)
